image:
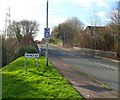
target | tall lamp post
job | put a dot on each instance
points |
(47, 38)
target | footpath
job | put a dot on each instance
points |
(89, 88)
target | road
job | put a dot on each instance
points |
(105, 71)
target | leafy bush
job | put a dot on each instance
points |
(21, 50)
(51, 40)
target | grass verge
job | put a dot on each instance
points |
(46, 82)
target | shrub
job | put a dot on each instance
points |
(21, 50)
(51, 40)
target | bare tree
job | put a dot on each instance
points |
(95, 20)
(20, 33)
(69, 31)
(115, 26)
(115, 14)
(24, 31)
(77, 28)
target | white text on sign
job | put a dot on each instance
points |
(31, 55)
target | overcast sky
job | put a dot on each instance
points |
(59, 11)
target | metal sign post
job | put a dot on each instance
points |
(47, 35)
(31, 55)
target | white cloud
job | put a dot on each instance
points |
(54, 20)
(88, 3)
(57, 1)
(101, 14)
(101, 3)
(103, 17)
(20, 9)
(85, 3)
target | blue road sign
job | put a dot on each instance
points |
(47, 32)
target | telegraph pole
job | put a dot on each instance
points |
(47, 38)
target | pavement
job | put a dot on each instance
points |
(84, 85)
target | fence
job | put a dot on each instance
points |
(97, 52)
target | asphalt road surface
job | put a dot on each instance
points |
(104, 70)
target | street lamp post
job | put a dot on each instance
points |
(47, 38)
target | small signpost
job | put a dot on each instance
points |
(31, 55)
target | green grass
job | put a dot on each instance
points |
(46, 82)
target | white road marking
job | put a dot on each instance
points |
(83, 59)
(86, 59)
(77, 56)
(85, 54)
(72, 54)
(106, 66)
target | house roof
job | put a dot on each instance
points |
(95, 29)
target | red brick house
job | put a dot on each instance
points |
(94, 30)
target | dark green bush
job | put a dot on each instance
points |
(51, 40)
(21, 50)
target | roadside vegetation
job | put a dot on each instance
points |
(18, 36)
(46, 82)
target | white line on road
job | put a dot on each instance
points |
(85, 59)
(72, 54)
(106, 66)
